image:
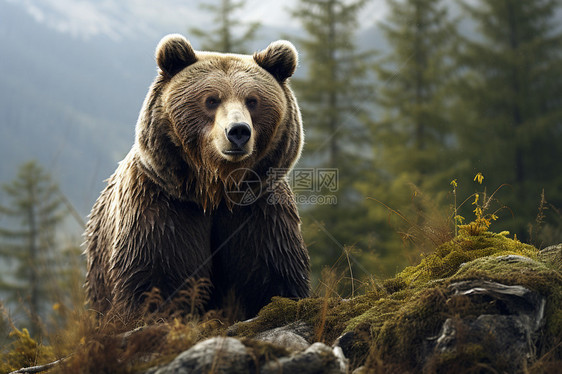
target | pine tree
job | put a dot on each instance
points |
(332, 96)
(223, 38)
(27, 239)
(412, 140)
(333, 91)
(510, 121)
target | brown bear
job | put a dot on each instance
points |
(211, 123)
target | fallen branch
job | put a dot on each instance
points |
(38, 368)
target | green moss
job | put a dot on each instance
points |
(328, 317)
(424, 304)
(403, 332)
(279, 312)
(380, 311)
(416, 306)
(393, 285)
(447, 258)
(469, 358)
(393, 323)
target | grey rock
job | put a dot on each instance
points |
(516, 301)
(292, 337)
(217, 355)
(318, 358)
(512, 259)
(342, 360)
(511, 329)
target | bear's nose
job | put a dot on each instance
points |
(238, 133)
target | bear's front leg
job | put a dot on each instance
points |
(161, 243)
(259, 252)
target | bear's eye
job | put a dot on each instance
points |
(251, 103)
(212, 102)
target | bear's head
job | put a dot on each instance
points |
(209, 114)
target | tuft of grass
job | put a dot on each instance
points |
(24, 351)
(114, 343)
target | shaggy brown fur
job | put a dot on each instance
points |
(165, 218)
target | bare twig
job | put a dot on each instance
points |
(38, 368)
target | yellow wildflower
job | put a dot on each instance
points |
(479, 178)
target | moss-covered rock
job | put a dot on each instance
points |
(398, 324)
(448, 258)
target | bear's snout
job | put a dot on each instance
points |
(238, 134)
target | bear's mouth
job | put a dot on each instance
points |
(235, 152)
(235, 155)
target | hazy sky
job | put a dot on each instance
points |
(118, 18)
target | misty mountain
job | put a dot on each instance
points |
(70, 103)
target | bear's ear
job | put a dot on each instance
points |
(173, 54)
(280, 59)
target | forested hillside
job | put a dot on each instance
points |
(68, 102)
